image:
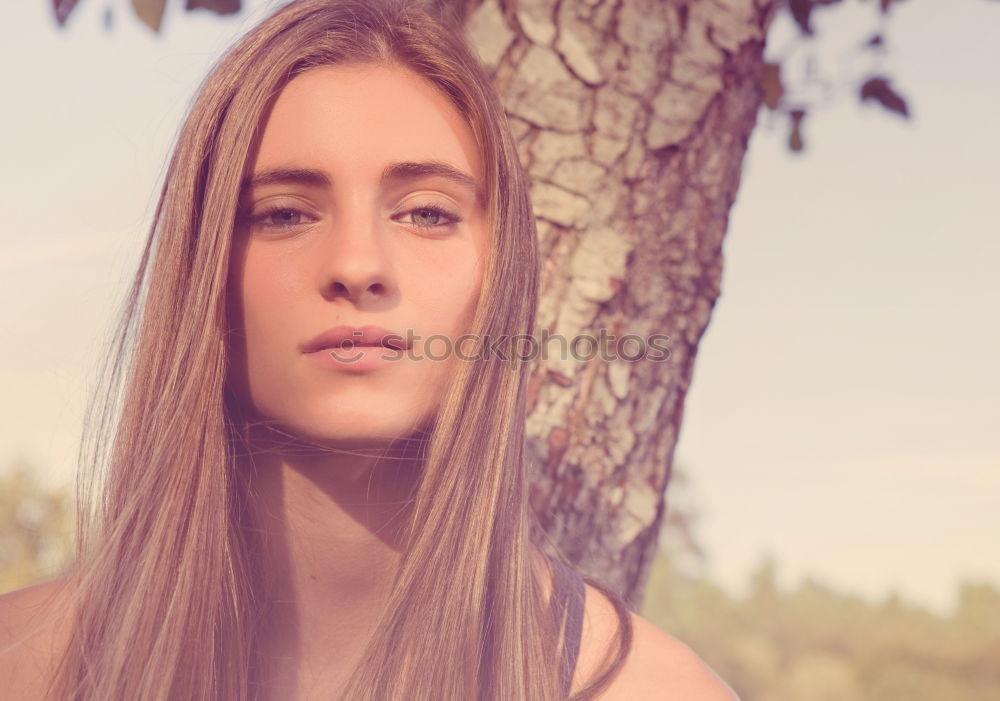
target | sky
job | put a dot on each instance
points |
(843, 413)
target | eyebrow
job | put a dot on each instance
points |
(393, 173)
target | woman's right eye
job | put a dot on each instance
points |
(278, 217)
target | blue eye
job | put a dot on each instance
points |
(287, 217)
(432, 217)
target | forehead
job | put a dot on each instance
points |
(362, 117)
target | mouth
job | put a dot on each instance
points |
(347, 337)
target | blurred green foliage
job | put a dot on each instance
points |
(817, 644)
(36, 527)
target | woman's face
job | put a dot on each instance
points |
(349, 218)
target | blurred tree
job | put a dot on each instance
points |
(818, 676)
(36, 528)
(978, 608)
(814, 643)
(678, 538)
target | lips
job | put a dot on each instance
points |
(346, 337)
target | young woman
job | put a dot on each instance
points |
(308, 482)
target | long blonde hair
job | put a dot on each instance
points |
(168, 591)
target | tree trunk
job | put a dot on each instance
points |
(632, 118)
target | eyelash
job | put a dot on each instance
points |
(261, 218)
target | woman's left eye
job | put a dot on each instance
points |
(431, 217)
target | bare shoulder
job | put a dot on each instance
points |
(30, 630)
(658, 666)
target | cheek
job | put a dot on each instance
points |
(262, 295)
(271, 281)
(267, 294)
(472, 295)
(444, 282)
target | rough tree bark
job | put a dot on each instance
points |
(632, 118)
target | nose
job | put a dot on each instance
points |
(357, 264)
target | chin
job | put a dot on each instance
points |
(348, 437)
(347, 419)
(372, 427)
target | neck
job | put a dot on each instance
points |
(331, 531)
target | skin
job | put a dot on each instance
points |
(329, 466)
